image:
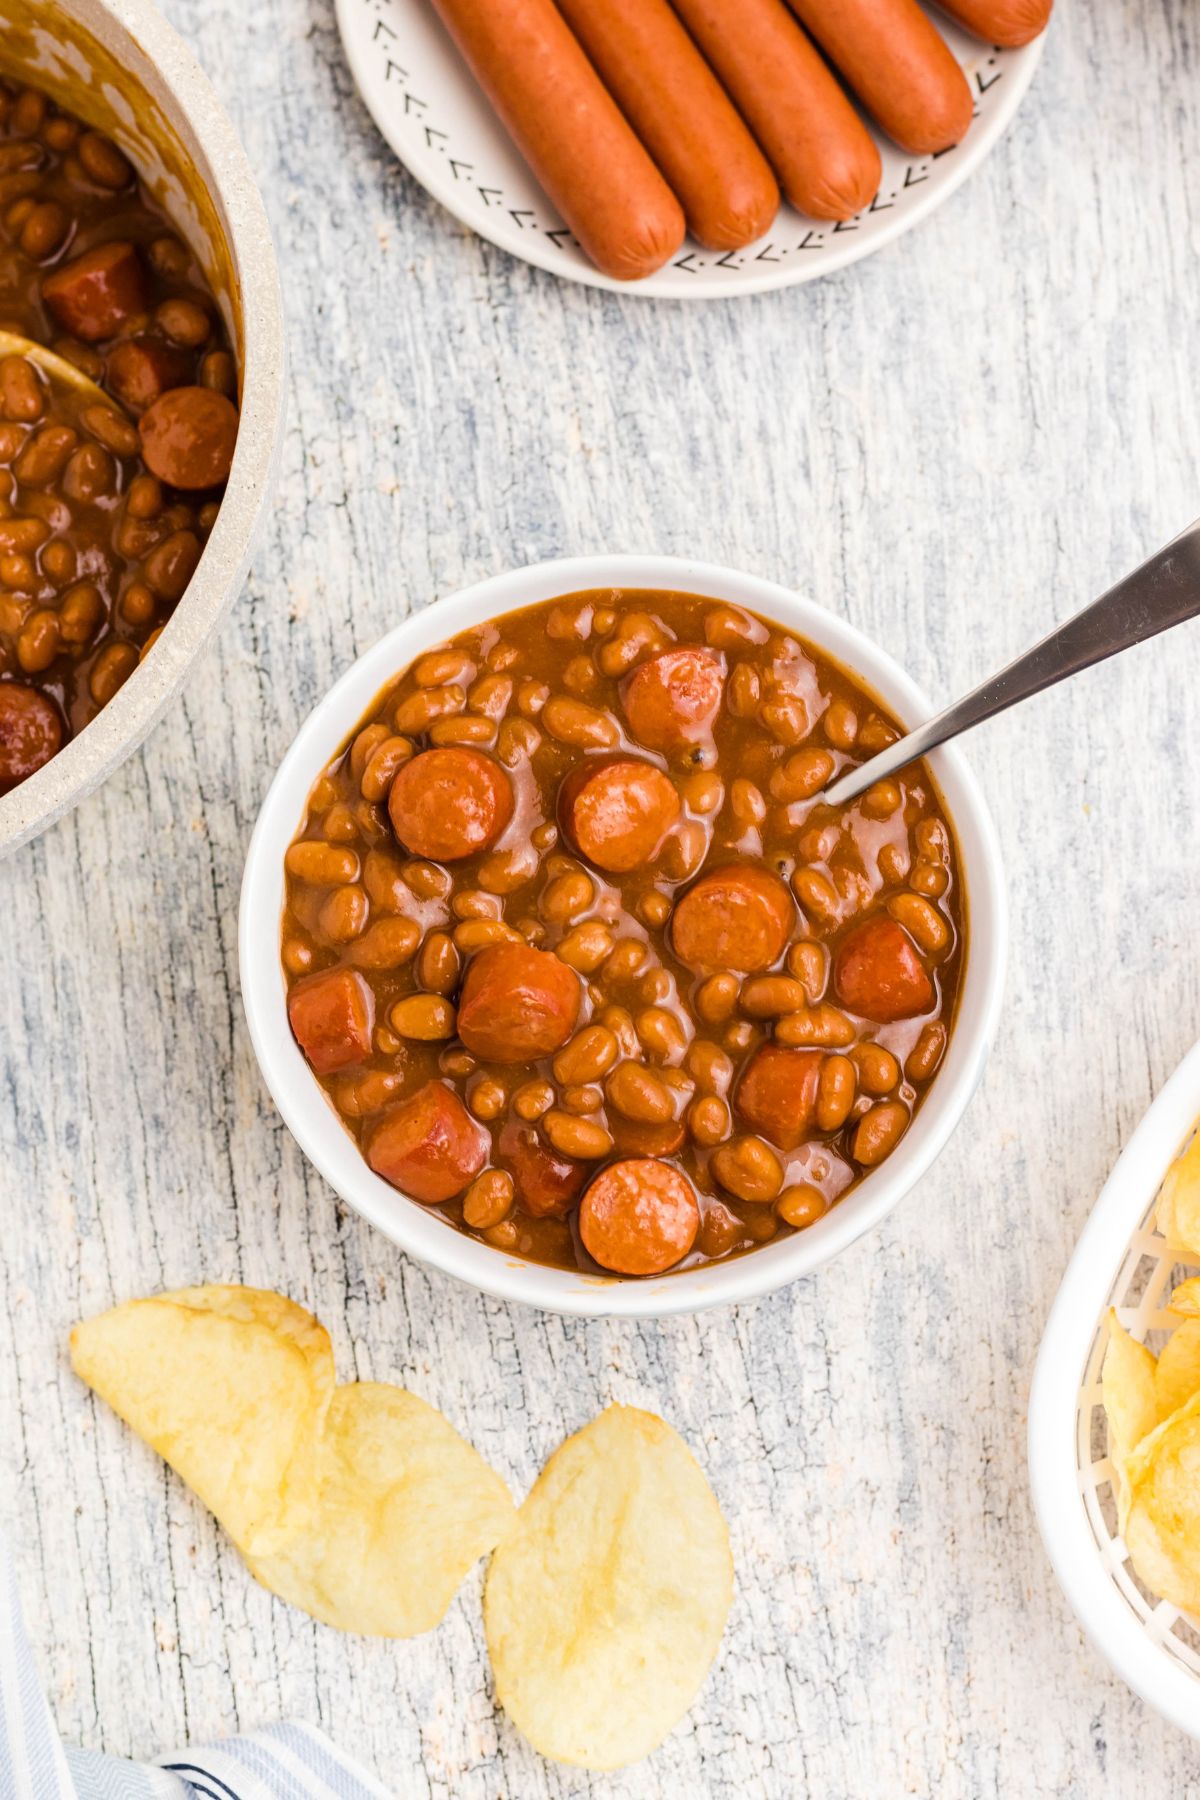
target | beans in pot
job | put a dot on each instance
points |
(600, 975)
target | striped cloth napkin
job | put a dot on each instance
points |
(284, 1762)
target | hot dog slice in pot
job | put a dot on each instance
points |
(671, 700)
(878, 974)
(826, 160)
(428, 1145)
(616, 811)
(639, 1217)
(92, 295)
(547, 1184)
(777, 1094)
(570, 131)
(736, 917)
(517, 1003)
(1009, 23)
(892, 57)
(449, 803)
(31, 731)
(332, 1016)
(682, 114)
(188, 437)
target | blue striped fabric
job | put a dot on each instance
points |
(284, 1762)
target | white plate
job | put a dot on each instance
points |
(1120, 1261)
(437, 121)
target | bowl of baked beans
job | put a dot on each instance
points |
(564, 974)
(141, 369)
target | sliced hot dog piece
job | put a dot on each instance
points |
(616, 811)
(333, 1016)
(517, 1003)
(639, 1137)
(570, 131)
(547, 1184)
(428, 1145)
(92, 295)
(878, 974)
(639, 1217)
(682, 114)
(826, 160)
(449, 803)
(188, 437)
(735, 917)
(31, 732)
(139, 370)
(672, 700)
(777, 1094)
(1009, 23)
(901, 70)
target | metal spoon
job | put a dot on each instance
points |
(57, 369)
(1163, 592)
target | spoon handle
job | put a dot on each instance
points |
(1163, 591)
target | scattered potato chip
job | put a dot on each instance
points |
(1162, 1528)
(406, 1506)
(360, 1504)
(605, 1606)
(1130, 1403)
(1185, 1300)
(1177, 1213)
(1177, 1372)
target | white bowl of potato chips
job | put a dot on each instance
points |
(1114, 1412)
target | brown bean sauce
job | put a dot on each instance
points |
(837, 937)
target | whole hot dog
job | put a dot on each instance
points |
(1009, 23)
(682, 114)
(570, 131)
(894, 60)
(826, 159)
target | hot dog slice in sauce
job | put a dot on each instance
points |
(570, 131)
(616, 811)
(878, 974)
(547, 1184)
(639, 1217)
(332, 1016)
(777, 1094)
(449, 803)
(428, 1145)
(672, 699)
(92, 295)
(826, 160)
(736, 917)
(188, 437)
(893, 59)
(517, 1003)
(1009, 23)
(682, 114)
(31, 731)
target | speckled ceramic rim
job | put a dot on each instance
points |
(91, 757)
(425, 1234)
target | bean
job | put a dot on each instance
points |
(428, 881)
(417, 713)
(878, 1070)
(589, 1055)
(183, 321)
(746, 802)
(44, 230)
(584, 727)
(111, 670)
(171, 564)
(37, 642)
(823, 1026)
(574, 1136)
(150, 642)
(802, 775)
(835, 1092)
(709, 1121)
(567, 623)
(90, 475)
(702, 792)
(580, 677)
(893, 863)
(386, 944)
(490, 696)
(364, 746)
(488, 1199)
(717, 997)
(882, 800)
(817, 894)
(927, 1052)
(808, 961)
(516, 741)
(425, 1017)
(21, 392)
(930, 879)
(110, 429)
(439, 963)
(531, 697)
(18, 572)
(582, 1098)
(477, 934)
(627, 961)
(639, 1094)
(749, 1169)
(656, 985)
(878, 1132)
(620, 1022)
(876, 734)
(382, 764)
(800, 1206)
(921, 920)
(44, 455)
(769, 996)
(567, 896)
(322, 865)
(218, 371)
(487, 1099)
(470, 728)
(786, 719)
(344, 914)
(653, 908)
(729, 628)
(103, 162)
(661, 1034)
(931, 840)
(168, 257)
(532, 1099)
(840, 725)
(297, 957)
(709, 1066)
(636, 635)
(586, 946)
(80, 613)
(473, 903)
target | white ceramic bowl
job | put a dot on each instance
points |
(424, 1233)
(118, 64)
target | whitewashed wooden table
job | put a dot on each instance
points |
(956, 443)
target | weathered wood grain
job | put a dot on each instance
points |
(955, 443)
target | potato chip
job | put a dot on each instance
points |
(230, 1385)
(405, 1507)
(1177, 1212)
(605, 1606)
(1177, 1372)
(360, 1504)
(1185, 1299)
(1162, 1528)
(1130, 1402)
